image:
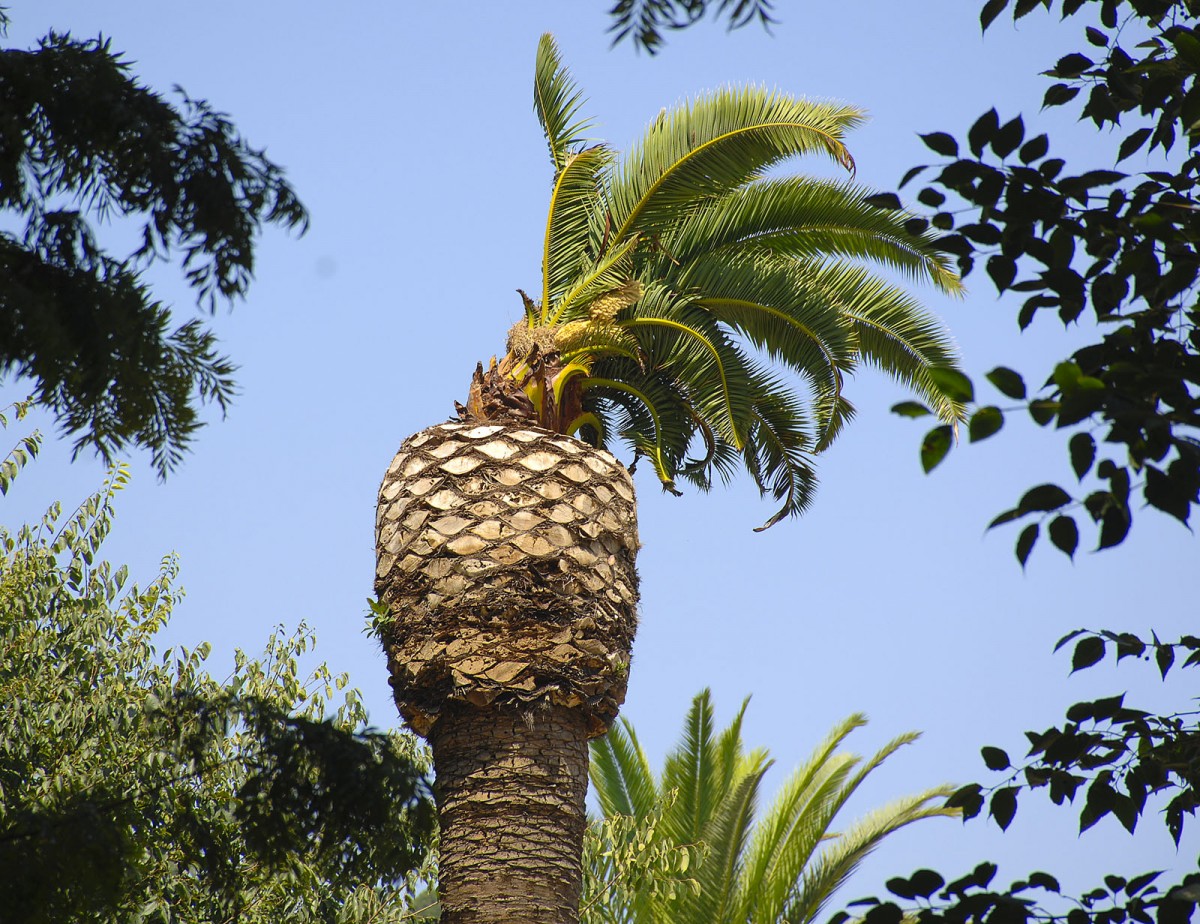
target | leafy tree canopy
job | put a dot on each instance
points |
(135, 786)
(82, 143)
(1106, 246)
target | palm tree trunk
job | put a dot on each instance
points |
(510, 788)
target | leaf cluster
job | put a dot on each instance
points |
(1114, 247)
(643, 22)
(83, 143)
(926, 898)
(1118, 757)
(136, 786)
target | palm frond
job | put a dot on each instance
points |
(611, 271)
(716, 144)
(620, 773)
(778, 309)
(841, 857)
(573, 204)
(809, 218)
(895, 334)
(557, 100)
(687, 772)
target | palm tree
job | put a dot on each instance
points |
(780, 868)
(694, 309)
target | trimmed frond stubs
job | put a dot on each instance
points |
(510, 553)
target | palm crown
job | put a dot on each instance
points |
(704, 312)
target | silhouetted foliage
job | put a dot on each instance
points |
(1120, 248)
(643, 21)
(1092, 244)
(81, 143)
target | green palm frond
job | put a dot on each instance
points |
(780, 865)
(557, 100)
(808, 218)
(708, 315)
(716, 144)
(895, 334)
(573, 204)
(621, 776)
(613, 270)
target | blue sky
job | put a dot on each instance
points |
(409, 133)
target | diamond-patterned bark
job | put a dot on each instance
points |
(506, 555)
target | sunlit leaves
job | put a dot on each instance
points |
(131, 779)
(723, 260)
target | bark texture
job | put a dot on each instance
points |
(505, 553)
(511, 788)
(506, 556)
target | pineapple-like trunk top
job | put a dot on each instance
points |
(506, 558)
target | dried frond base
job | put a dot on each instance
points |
(506, 556)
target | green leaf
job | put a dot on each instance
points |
(935, 446)
(884, 201)
(985, 422)
(941, 143)
(969, 798)
(995, 758)
(1088, 651)
(1164, 657)
(1064, 534)
(1025, 542)
(1043, 411)
(911, 409)
(1044, 497)
(990, 11)
(982, 131)
(953, 384)
(1083, 453)
(1009, 383)
(1003, 806)
(1034, 149)
(1114, 526)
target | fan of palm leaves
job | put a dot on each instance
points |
(704, 310)
(780, 866)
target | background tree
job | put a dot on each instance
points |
(1121, 248)
(134, 785)
(506, 548)
(784, 865)
(83, 143)
(1116, 246)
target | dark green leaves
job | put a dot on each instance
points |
(941, 143)
(953, 384)
(1008, 382)
(995, 758)
(1088, 651)
(1003, 806)
(1044, 497)
(990, 11)
(982, 131)
(984, 423)
(911, 409)
(105, 357)
(935, 446)
(1065, 535)
(1083, 453)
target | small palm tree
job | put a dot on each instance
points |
(695, 309)
(780, 867)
